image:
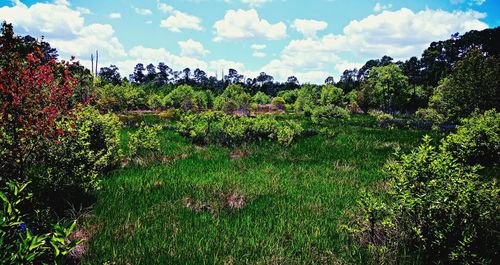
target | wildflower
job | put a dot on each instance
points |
(23, 227)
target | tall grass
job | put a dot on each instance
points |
(295, 199)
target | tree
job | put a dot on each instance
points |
(474, 84)
(138, 76)
(387, 88)
(34, 94)
(164, 73)
(330, 81)
(25, 45)
(261, 98)
(348, 81)
(151, 73)
(233, 98)
(308, 98)
(365, 70)
(186, 73)
(332, 96)
(200, 77)
(292, 83)
(233, 77)
(110, 75)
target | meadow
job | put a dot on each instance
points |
(259, 203)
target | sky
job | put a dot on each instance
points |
(310, 39)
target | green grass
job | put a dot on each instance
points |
(296, 198)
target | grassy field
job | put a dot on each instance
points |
(292, 199)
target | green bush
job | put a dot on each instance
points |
(290, 96)
(88, 147)
(445, 207)
(155, 101)
(121, 97)
(279, 103)
(439, 207)
(145, 142)
(308, 97)
(233, 98)
(380, 116)
(326, 113)
(170, 114)
(261, 98)
(219, 128)
(286, 133)
(184, 97)
(18, 242)
(332, 95)
(430, 115)
(477, 141)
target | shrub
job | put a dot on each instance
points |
(430, 115)
(279, 103)
(219, 128)
(155, 101)
(261, 98)
(308, 97)
(288, 132)
(290, 96)
(332, 95)
(477, 141)
(88, 147)
(18, 241)
(185, 98)
(145, 142)
(438, 207)
(170, 114)
(380, 116)
(444, 206)
(326, 113)
(233, 98)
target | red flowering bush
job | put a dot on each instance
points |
(34, 94)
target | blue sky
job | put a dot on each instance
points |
(311, 39)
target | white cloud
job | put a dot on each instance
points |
(259, 54)
(180, 20)
(67, 31)
(309, 27)
(241, 24)
(165, 8)
(469, 2)
(115, 15)
(62, 2)
(219, 65)
(258, 46)
(84, 10)
(399, 34)
(192, 48)
(258, 50)
(251, 3)
(379, 7)
(142, 11)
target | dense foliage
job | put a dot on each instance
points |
(144, 142)
(219, 128)
(473, 84)
(440, 205)
(50, 140)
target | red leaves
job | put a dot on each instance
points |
(35, 94)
